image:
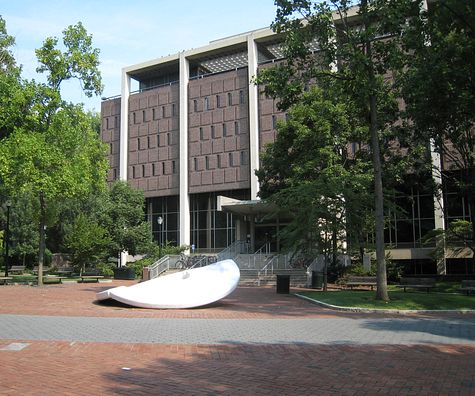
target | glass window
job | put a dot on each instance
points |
(241, 97)
(225, 130)
(195, 105)
(213, 134)
(236, 127)
(230, 99)
(206, 103)
(218, 101)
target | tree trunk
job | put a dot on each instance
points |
(41, 253)
(381, 278)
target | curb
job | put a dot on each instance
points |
(380, 310)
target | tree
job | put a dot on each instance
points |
(23, 233)
(309, 173)
(88, 242)
(66, 160)
(7, 60)
(438, 86)
(57, 156)
(122, 215)
(355, 50)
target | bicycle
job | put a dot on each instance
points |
(184, 261)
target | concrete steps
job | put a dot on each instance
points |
(250, 277)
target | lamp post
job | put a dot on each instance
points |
(160, 222)
(7, 237)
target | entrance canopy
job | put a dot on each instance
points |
(255, 207)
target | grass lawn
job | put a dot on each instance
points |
(399, 300)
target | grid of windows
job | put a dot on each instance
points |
(168, 209)
(410, 220)
(213, 230)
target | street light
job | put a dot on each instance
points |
(160, 222)
(7, 237)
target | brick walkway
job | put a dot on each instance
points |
(123, 368)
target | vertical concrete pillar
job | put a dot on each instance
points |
(183, 145)
(253, 116)
(124, 126)
(124, 140)
(252, 232)
(438, 206)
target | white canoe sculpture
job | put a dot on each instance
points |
(186, 289)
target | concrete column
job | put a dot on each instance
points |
(183, 145)
(438, 205)
(124, 126)
(252, 232)
(253, 116)
(124, 140)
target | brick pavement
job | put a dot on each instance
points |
(76, 368)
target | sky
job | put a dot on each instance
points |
(127, 32)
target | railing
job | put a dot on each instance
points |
(158, 267)
(203, 261)
(237, 247)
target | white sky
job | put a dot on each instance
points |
(128, 32)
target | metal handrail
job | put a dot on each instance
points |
(159, 267)
(262, 251)
(199, 263)
(237, 247)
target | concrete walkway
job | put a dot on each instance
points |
(57, 340)
(341, 331)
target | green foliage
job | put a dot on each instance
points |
(356, 65)
(122, 215)
(7, 61)
(153, 254)
(307, 172)
(106, 269)
(458, 237)
(87, 241)
(54, 154)
(399, 300)
(438, 90)
(78, 61)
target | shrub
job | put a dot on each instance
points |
(106, 269)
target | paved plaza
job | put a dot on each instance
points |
(57, 340)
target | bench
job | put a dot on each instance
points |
(417, 283)
(17, 269)
(45, 270)
(64, 271)
(53, 279)
(4, 279)
(90, 278)
(468, 286)
(360, 281)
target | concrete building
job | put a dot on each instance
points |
(190, 137)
